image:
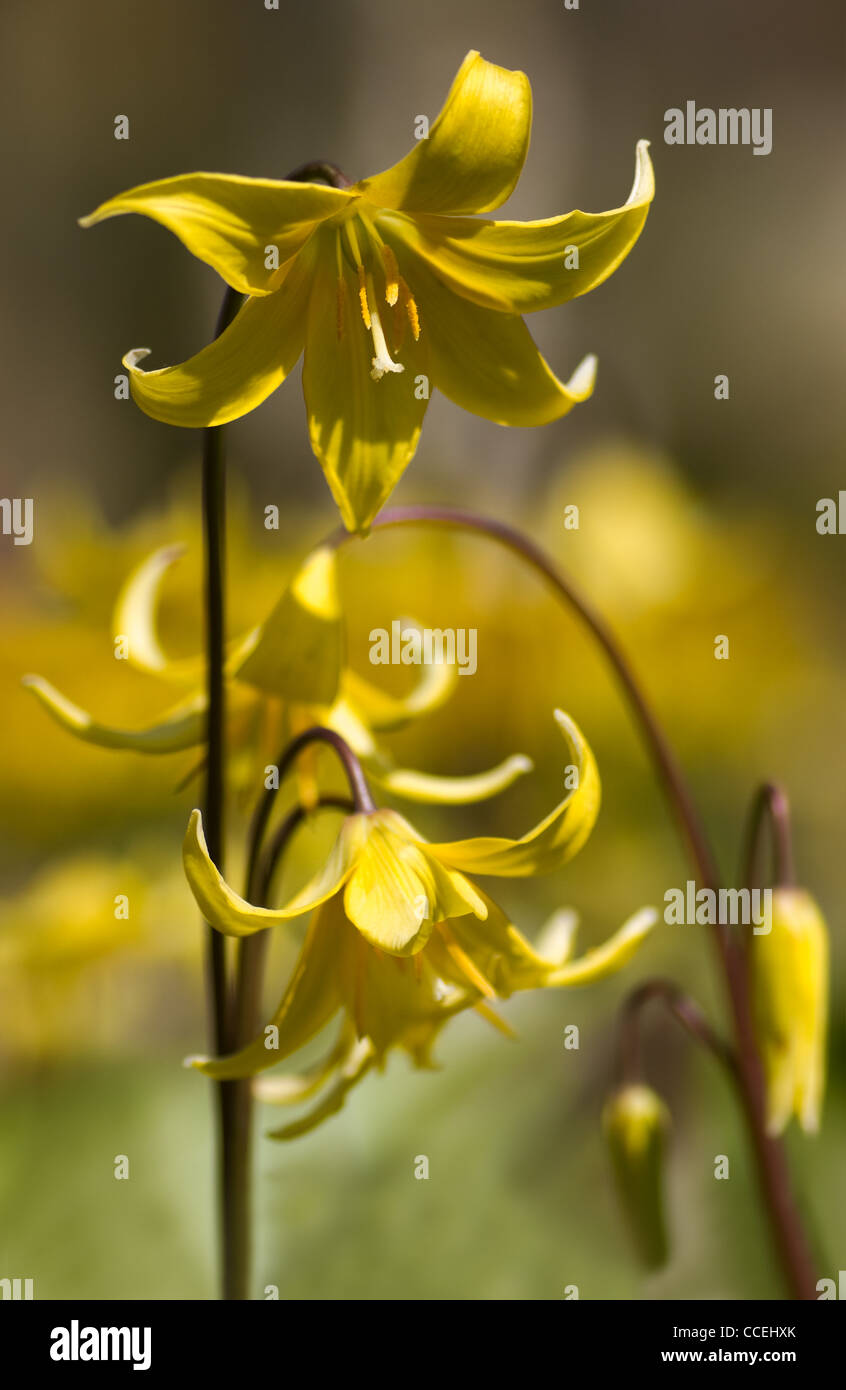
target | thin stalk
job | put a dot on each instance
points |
(684, 1009)
(229, 1011)
(231, 1178)
(785, 1222)
(770, 807)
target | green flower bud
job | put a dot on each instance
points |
(789, 984)
(635, 1121)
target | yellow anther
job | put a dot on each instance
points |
(410, 309)
(392, 274)
(362, 296)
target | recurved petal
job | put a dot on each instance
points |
(313, 995)
(486, 361)
(474, 151)
(232, 223)
(397, 890)
(363, 431)
(551, 843)
(449, 791)
(237, 371)
(382, 711)
(298, 649)
(182, 727)
(135, 618)
(358, 1062)
(233, 915)
(610, 956)
(519, 267)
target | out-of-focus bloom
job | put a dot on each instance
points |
(387, 286)
(635, 1121)
(401, 939)
(291, 670)
(789, 980)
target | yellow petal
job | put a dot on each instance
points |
(396, 1002)
(232, 223)
(449, 791)
(233, 915)
(363, 431)
(485, 361)
(381, 711)
(182, 727)
(297, 655)
(313, 995)
(475, 149)
(358, 1062)
(520, 267)
(237, 371)
(135, 619)
(397, 891)
(555, 840)
(610, 956)
(292, 1087)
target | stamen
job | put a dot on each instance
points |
(465, 964)
(410, 308)
(362, 297)
(494, 1019)
(392, 275)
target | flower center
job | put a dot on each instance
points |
(375, 262)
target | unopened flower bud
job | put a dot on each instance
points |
(635, 1121)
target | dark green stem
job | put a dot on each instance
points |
(232, 1191)
(230, 1012)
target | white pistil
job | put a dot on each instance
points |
(382, 362)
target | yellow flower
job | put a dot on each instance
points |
(401, 939)
(387, 286)
(789, 979)
(635, 1121)
(292, 666)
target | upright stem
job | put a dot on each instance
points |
(232, 1186)
(773, 1174)
(231, 1014)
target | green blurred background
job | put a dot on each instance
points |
(697, 519)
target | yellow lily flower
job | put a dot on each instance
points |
(789, 980)
(384, 895)
(293, 666)
(388, 287)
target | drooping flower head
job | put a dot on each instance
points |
(389, 286)
(789, 981)
(401, 939)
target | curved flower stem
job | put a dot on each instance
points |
(683, 1008)
(773, 1174)
(770, 804)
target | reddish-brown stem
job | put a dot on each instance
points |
(683, 1008)
(774, 1178)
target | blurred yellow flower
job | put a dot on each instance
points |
(293, 666)
(451, 290)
